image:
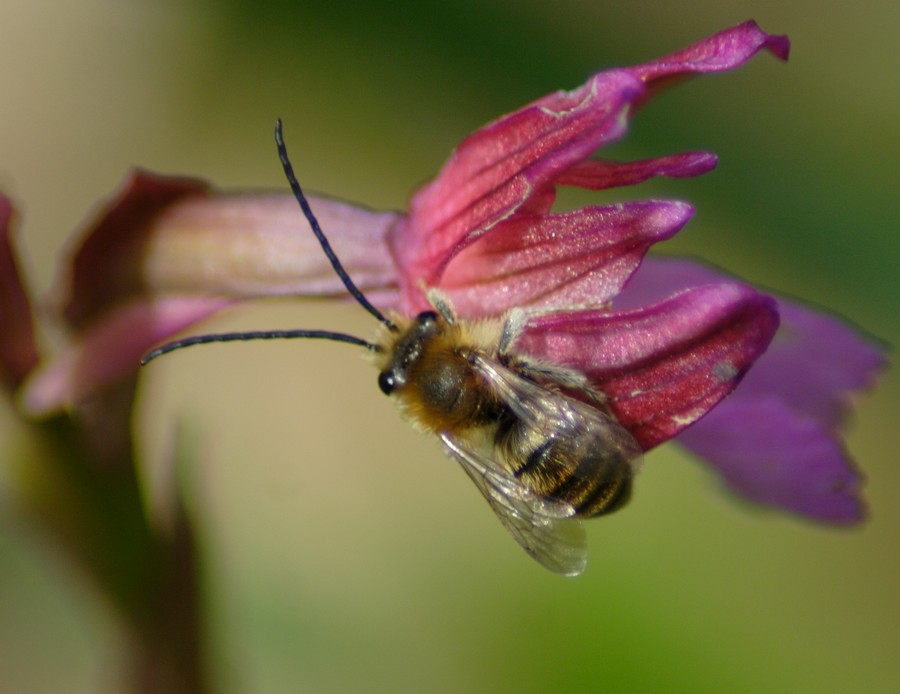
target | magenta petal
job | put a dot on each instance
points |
(495, 171)
(775, 439)
(598, 174)
(815, 361)
(111, 349)
(723, 51)
(665, 366)
(577, 258)
(512, 166)
(18, 351)
(774, 455)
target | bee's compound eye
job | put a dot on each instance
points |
(427, 317)
(387, 382)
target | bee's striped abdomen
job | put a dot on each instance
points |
(577, 468)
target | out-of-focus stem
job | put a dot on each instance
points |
(86, 497)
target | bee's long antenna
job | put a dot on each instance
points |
(317, 230)
(290, 334)
(257, 335)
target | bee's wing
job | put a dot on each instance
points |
(554, 413)
(543, 527)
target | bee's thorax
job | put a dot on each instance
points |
(427, 368)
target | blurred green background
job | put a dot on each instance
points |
(343, 552)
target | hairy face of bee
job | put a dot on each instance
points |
(406, 352)
(426, 367)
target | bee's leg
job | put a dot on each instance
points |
(512, 328)
(442, 305)
(567, 379)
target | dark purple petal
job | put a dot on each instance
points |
(813, 365)
(774, 455)
(815, 361)
(662, 276)
(577, 258)
(18, 351)
(599, 174)
(106, 268)
(661, 367)
(775, 439)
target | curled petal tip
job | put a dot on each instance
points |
(777, 44)
(726, 50)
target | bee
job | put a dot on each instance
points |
(536, 439)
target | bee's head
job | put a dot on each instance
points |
(406, 351)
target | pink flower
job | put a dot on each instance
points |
(665, 344)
